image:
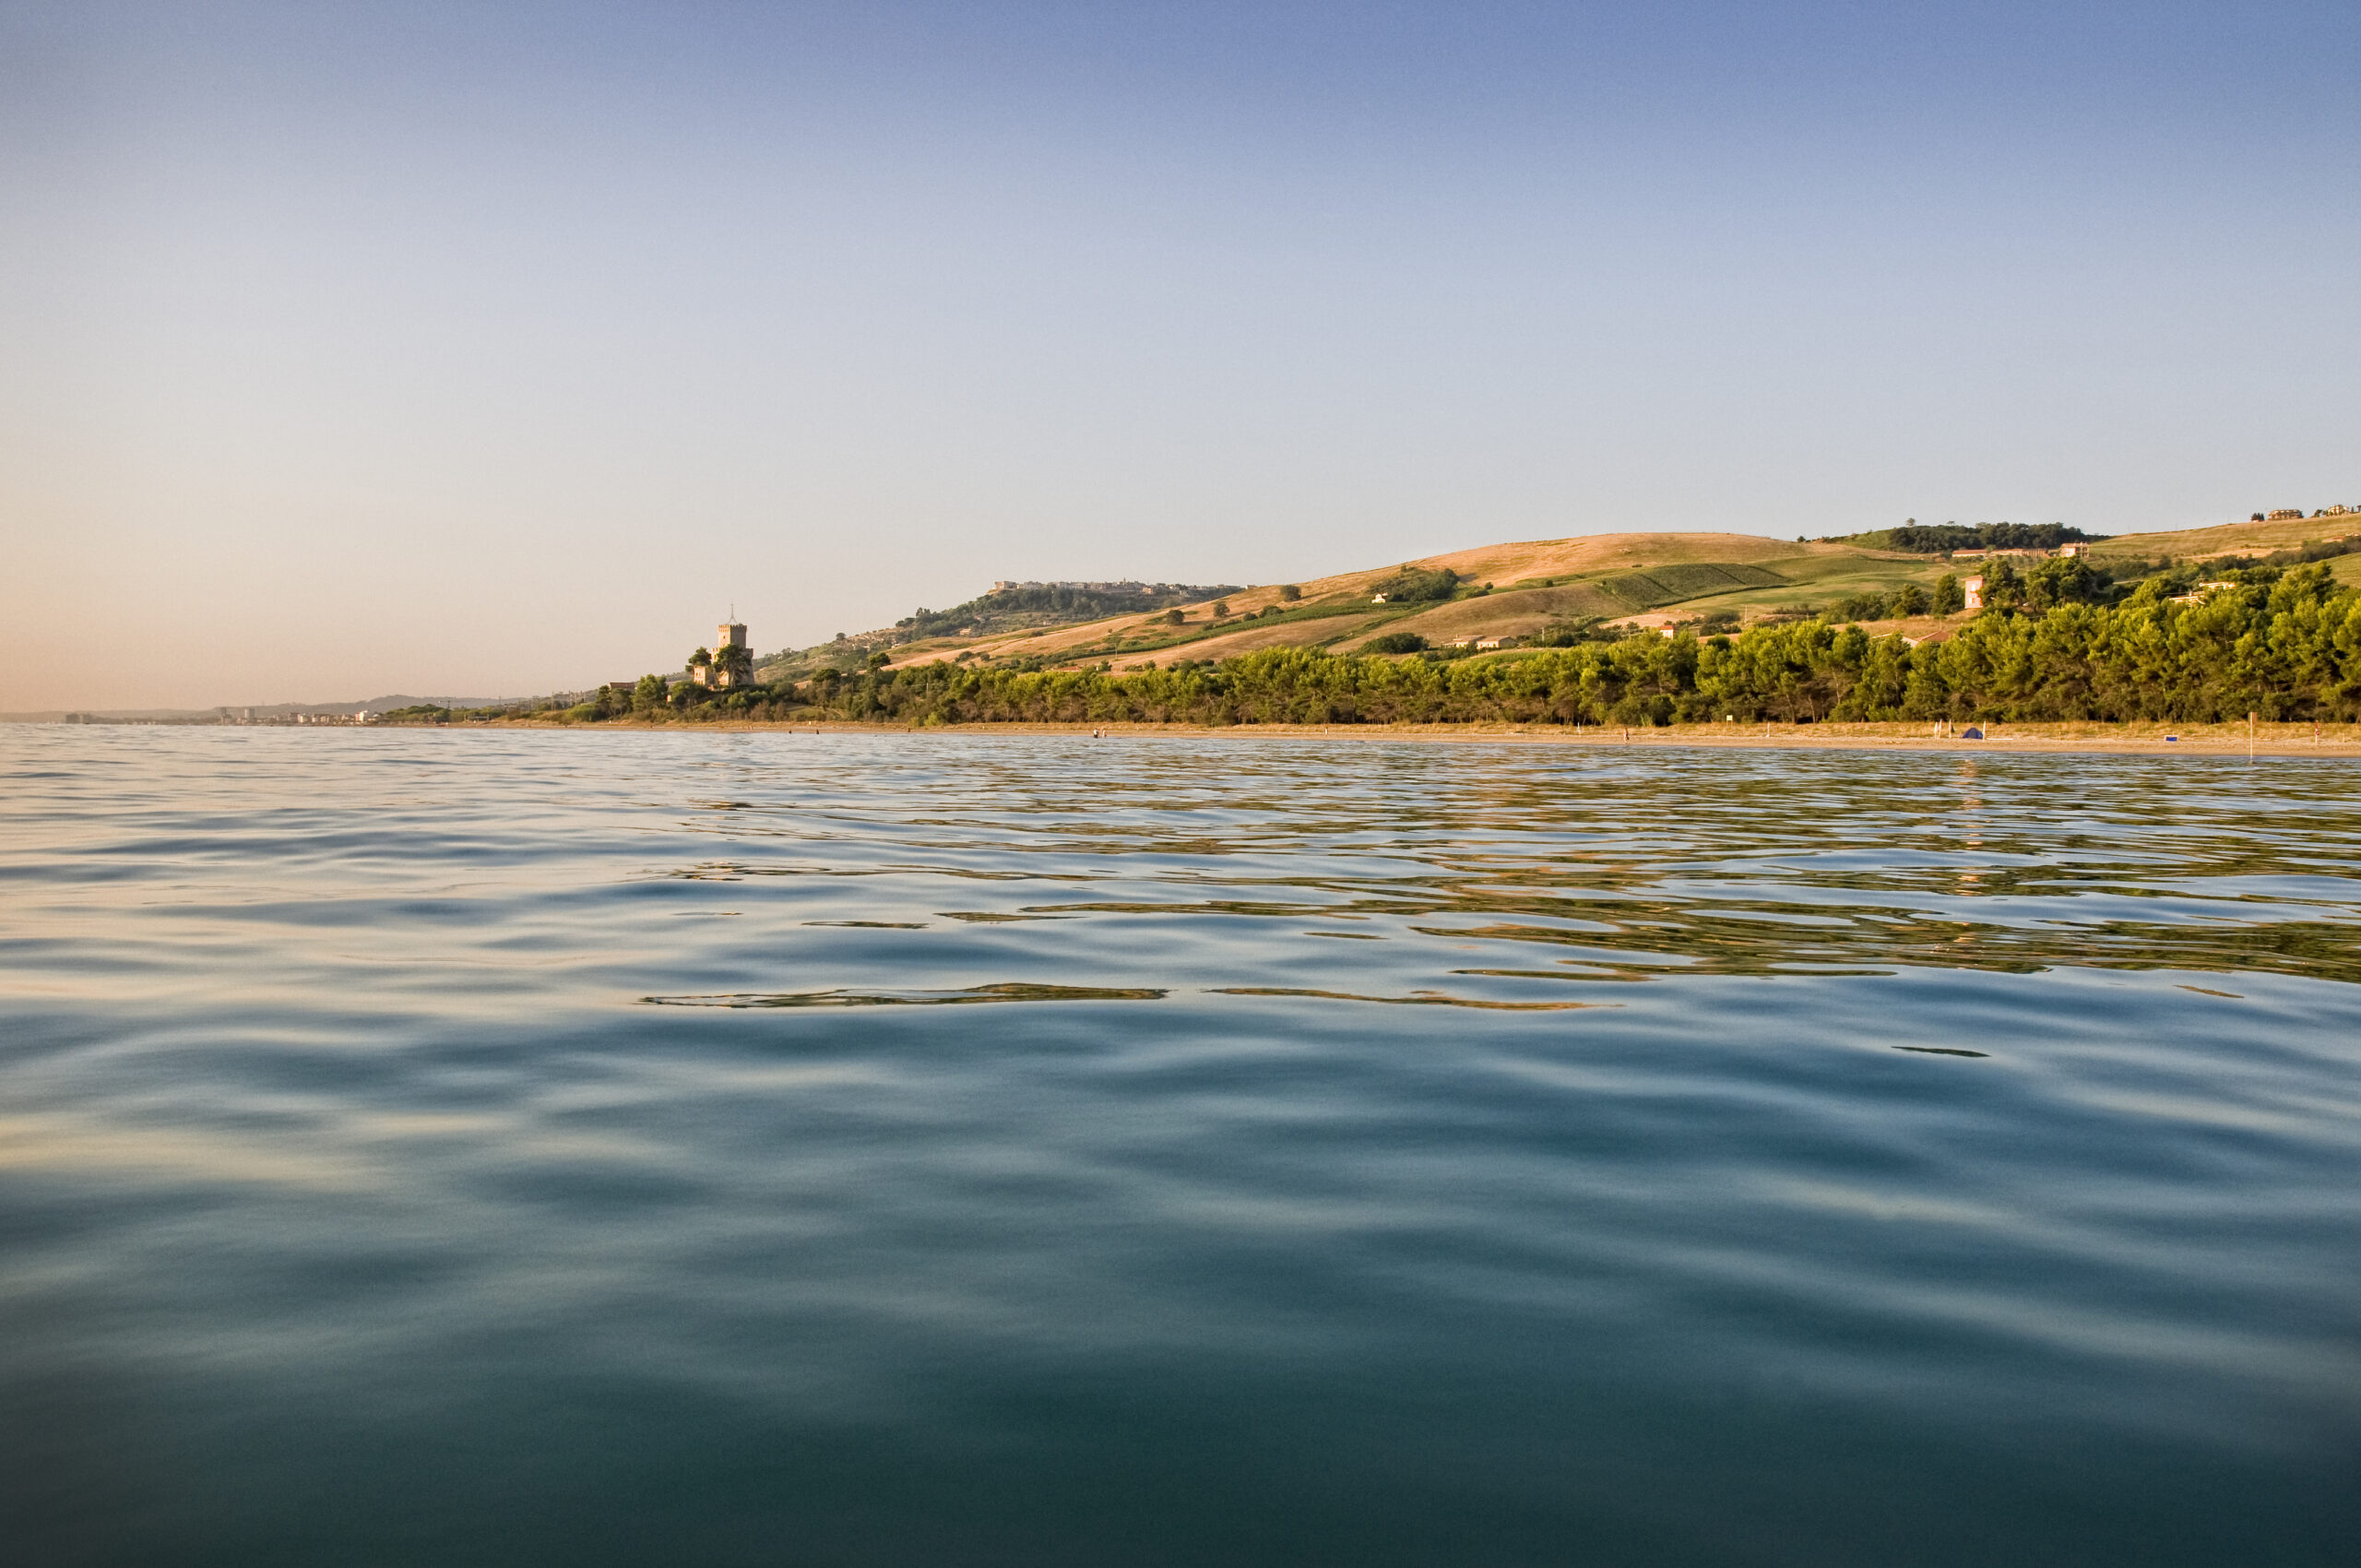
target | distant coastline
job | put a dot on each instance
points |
(1941, 622)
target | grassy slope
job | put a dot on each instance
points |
(2231, 539)
(1537, 581)
(1511, 610)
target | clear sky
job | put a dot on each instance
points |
(495, 348)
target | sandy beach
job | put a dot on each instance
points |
(2163, 740)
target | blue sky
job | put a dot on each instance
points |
(496, 348)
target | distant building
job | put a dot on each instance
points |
(2072, 552)
(1973, 588)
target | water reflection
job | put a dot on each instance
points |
(621, 1148)
(1006, 991)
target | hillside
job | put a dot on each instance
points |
(1555, 589)
(1009, 607)
(2201, 624)
(1518, 590)
(2231, 538)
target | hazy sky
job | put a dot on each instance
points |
(495, 348)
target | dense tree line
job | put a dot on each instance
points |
(2286, 644)
(1937, 539)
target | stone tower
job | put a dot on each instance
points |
(728, 634)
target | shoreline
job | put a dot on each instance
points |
(2281, 741)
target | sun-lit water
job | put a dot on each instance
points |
(427, 1148)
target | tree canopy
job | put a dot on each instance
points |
(1938, 539)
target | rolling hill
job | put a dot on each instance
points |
(1507, 590)
(1533, 588)
(2231, 539)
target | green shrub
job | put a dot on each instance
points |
(1416, 585)
(1857, 607)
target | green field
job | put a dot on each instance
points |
(1676, 585)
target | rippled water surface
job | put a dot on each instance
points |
(423, 1147)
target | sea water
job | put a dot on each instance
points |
(448, 1146)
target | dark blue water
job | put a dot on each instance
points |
(423, 1147)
